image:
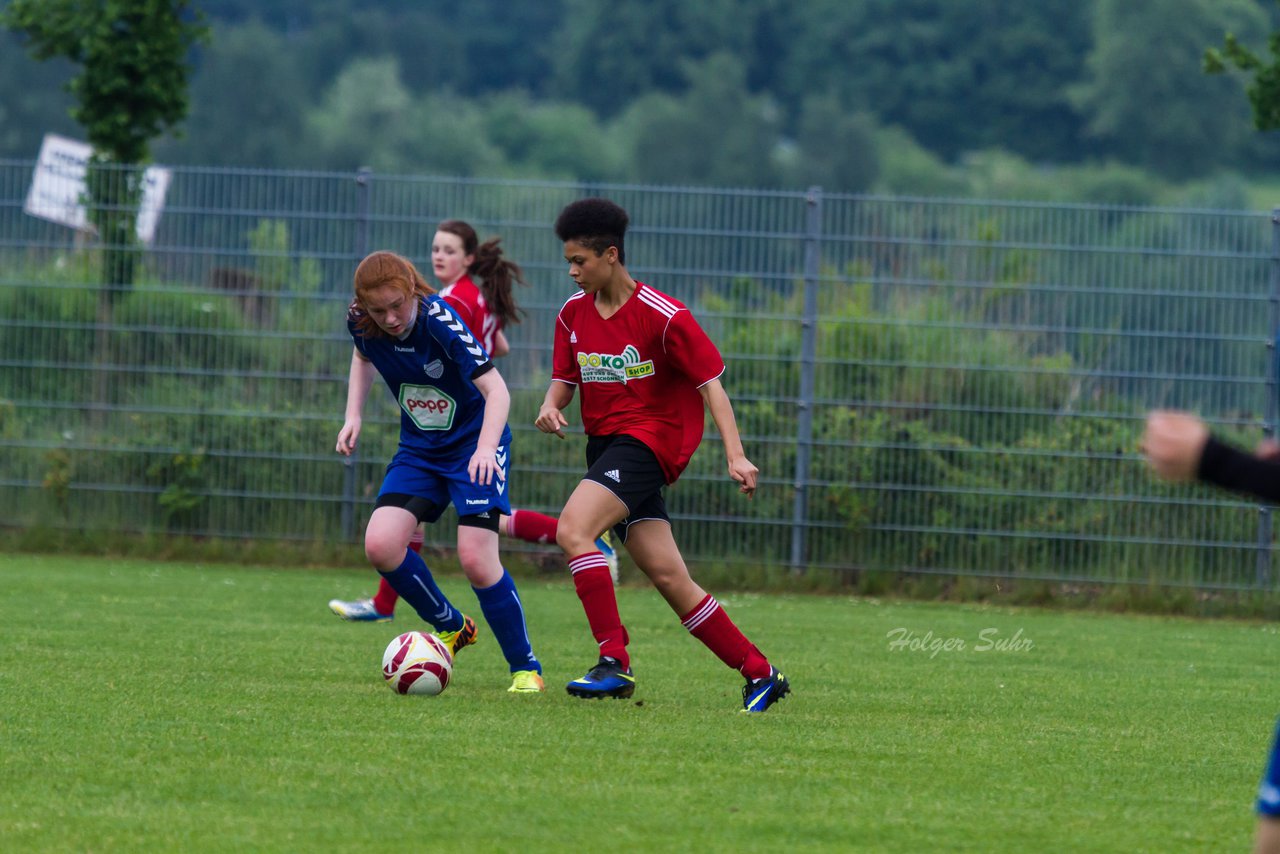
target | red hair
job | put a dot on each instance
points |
(379, 270)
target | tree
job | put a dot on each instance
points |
(834, 149)
(958, 76)
(607, 55)
(717, 133)
(267, 127)
(1264, 87)
(361, 120)
(33, 103)
(1145, 97)
(131, 87)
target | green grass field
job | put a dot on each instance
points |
(182, 707)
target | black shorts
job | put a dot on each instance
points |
(627, 468)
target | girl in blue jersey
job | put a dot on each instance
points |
(454, 445)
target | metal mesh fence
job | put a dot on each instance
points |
(926, 385)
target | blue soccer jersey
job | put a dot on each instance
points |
(430, 373)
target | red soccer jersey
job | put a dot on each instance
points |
(639, 371)
(466, 297)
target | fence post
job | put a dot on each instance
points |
(364, 189)
(808, 360)
(1262, 578)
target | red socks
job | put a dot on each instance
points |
(710, 624)
(384, 601)
(594, 585)
(532, 527)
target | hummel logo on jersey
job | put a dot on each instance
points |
(573, 338)
(400, 349)
(473, 501)
(614, 475)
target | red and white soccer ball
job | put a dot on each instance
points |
(417, 663)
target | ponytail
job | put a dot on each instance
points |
(498, 275)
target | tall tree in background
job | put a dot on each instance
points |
(1145, 97)
(1264, 87)
(130, 88)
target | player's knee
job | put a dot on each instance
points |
(572, 538)
(383, 553)
(471, 557)
(669, 578)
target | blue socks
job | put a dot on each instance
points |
(500, 604)
(505, 616)
(413, 581)
(1269, 789)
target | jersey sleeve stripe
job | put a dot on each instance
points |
(565, 307)
(658, 305)
(658, 297)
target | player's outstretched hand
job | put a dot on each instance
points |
(1173, 443)
(348, 436)
(744, 472)
(551, 420)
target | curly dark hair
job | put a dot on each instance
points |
(595, 223)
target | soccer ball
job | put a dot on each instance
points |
(417, 663)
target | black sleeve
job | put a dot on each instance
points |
(482, 370)
(1231, 468)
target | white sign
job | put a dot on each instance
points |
(58, 187)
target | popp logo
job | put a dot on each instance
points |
(430, 408)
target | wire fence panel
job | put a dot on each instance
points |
(927, 385)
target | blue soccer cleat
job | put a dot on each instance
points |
(607, 679)
(359, 611)
(759, 694)
(605, 544)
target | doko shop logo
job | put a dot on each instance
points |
(428, 406)
(606, 368)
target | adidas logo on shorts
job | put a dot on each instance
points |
(614, 475)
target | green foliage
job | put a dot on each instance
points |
(1263, 87)
(833, 149)
(1144, 56)
(130, 88)
(800, 92)
(716, 133)
(268, 125)
(275, 264)
(57, 480)
(132, 84)
(182, 480)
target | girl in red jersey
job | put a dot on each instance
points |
(456, 255)
(646, 369)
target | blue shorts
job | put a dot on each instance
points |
(1269, 789)
(442, 482)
